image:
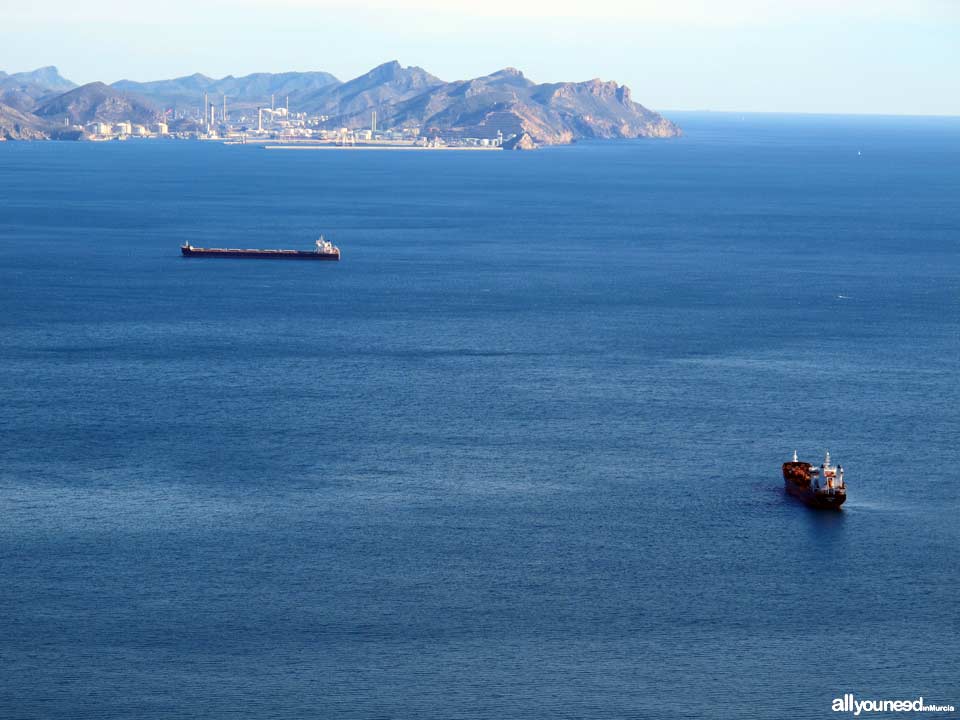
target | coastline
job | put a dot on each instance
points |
(379, 147)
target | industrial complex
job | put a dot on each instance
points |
(216, 120)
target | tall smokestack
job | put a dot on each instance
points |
(224, 108)
(273, 104)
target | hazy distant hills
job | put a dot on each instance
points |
(46, 77)
(317, 93)
(505, 101)
(96, 101)
(26, 90)
(187, 92)
(350, 103)
(20, 94)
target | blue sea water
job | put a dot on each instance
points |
(516, 456)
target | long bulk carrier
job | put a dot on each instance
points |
(803, 480)
(326, 250)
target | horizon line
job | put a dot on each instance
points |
(817, 113)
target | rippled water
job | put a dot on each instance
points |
(516, 456)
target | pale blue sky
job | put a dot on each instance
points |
(842, 56)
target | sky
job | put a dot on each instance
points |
(819, 56)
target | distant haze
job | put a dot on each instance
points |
(853, 56)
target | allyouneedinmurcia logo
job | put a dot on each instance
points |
(849, 703)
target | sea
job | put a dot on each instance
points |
(516, 456)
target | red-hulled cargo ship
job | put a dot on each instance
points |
(326, 250)
(803, 480)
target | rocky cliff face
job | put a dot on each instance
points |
(597, 109)
(520, 142)
(18, 125)
(508, 102)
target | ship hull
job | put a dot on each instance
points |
(817, 498)
(259, 254)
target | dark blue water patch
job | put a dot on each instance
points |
(517, 455)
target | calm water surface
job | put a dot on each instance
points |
(516, 456)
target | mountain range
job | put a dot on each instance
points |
(188, 91)
(42, 103)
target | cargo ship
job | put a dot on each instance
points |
(803, 480)
(326, 250)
